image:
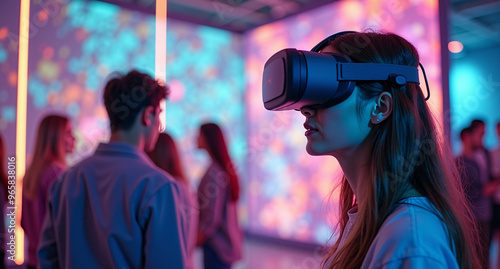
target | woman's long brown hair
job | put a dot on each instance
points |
(216, 146)
(166, 157)
(49, 148)
(409, 156)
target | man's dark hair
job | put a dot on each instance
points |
(477, 123)
(465, 132)
(126, 95)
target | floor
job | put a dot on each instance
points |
(260, 253)
(263, 254)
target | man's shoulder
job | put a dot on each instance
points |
(101, 168)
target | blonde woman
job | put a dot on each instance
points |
(53, 141)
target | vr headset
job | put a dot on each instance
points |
(296, 78)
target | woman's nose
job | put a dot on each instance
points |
(308, 111)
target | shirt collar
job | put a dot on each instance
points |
(122, 149)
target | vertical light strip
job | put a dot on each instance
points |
(22, 95)
(161, 48)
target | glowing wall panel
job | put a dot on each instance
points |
(74, 48)
(79, 43)
(288, 190)
(205, 70)
(9, 46)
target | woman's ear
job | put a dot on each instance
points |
(148, 116)
(382, 108)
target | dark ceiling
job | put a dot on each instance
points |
(234, 15)
(475, 23)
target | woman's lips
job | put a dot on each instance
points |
(309, 129)
(310, 132)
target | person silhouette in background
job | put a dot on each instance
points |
(166, 156)
(4, 194)
(482, 157)
(54, 139)
(495, 157)
(476, 189)
(495, 171)
(481, 154)
(219, 233)
(116, 209)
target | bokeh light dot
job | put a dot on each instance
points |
(43, 15)
(4, 33)
(455, 46)
(48, 70)
(8, 113)
(177, 90)
(12, 78)
(48, 53)
(417, 29)
(3, 55)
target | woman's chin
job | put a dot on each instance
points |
(313, 151)
(320, 150)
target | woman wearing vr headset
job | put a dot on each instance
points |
(401, 202)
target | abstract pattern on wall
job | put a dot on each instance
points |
(9, 46)
(77, 46)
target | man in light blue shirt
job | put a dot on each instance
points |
(115, 209)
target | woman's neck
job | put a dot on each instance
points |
(355, 164)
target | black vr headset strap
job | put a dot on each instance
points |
(372, 71)
(426, 83)
(396, 74)
(411, 76)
